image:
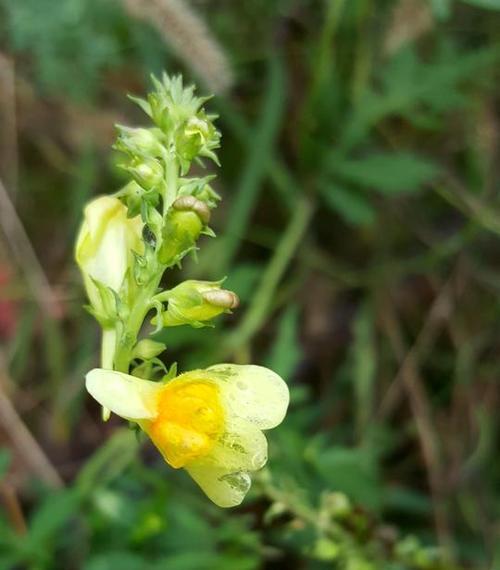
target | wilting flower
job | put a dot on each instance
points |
(207, 421)
(105, 245)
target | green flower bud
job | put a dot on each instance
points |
(190, 203)
(139, 141)
(135, 197)
(200, 189)
(195, 302)
(182, 228)
(197, 137)
(147, 172)
(208, 195)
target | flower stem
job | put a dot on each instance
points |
(172, 175)
(108, 347)
(126, 341)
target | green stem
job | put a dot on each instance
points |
(262, 300)
(172, 175)
(108, 347)
(126, 338)
(126, 341)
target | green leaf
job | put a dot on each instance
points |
(118, 559)
(4, 462)
(364, 366)
(488, 4)
(51, 516)
(286, 351)
(353, 472)
(243, 279)
(204, 560)
(260, 148)
(412, 86)
(350, 204)
(441, 8)
(108, 461)
(407, 500)
(387, 173)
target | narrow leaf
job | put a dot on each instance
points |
(350, 204)
(387, 173)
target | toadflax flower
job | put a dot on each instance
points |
(206, 421)
(105, 245)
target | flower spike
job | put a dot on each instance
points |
(208, 422)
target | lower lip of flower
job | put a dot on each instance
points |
(190, 419)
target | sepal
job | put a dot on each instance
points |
(147, 349)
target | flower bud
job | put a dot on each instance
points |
(138, 141)
(104, 248)
(196, 138)
(182, 228)
(194, 302)
(147, 172)
(190, 203)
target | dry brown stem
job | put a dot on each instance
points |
(21, 438)
(409, 379)
(27, 259)
(8, 124)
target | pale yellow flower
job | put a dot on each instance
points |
(105, 245)
(208, 421)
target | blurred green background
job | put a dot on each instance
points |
(360, 225)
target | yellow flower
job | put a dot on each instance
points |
(207, 421)
(105, 244)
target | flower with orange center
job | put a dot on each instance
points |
(209, 421)
(189, 421)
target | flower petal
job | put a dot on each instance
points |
(242, 447)
(224, 488)
(126, 396)
(254, 393)
(106, 240)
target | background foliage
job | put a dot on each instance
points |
(360, 227)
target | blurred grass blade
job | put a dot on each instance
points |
(50, 517)
(108, 461)
(286, 351)
(488, 4)
(441, 8)
(4, 462)
(262, 139)
(21, 344)
(364, 357)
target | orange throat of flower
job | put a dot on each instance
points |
(190, 419)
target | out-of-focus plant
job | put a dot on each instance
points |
(207, 421)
